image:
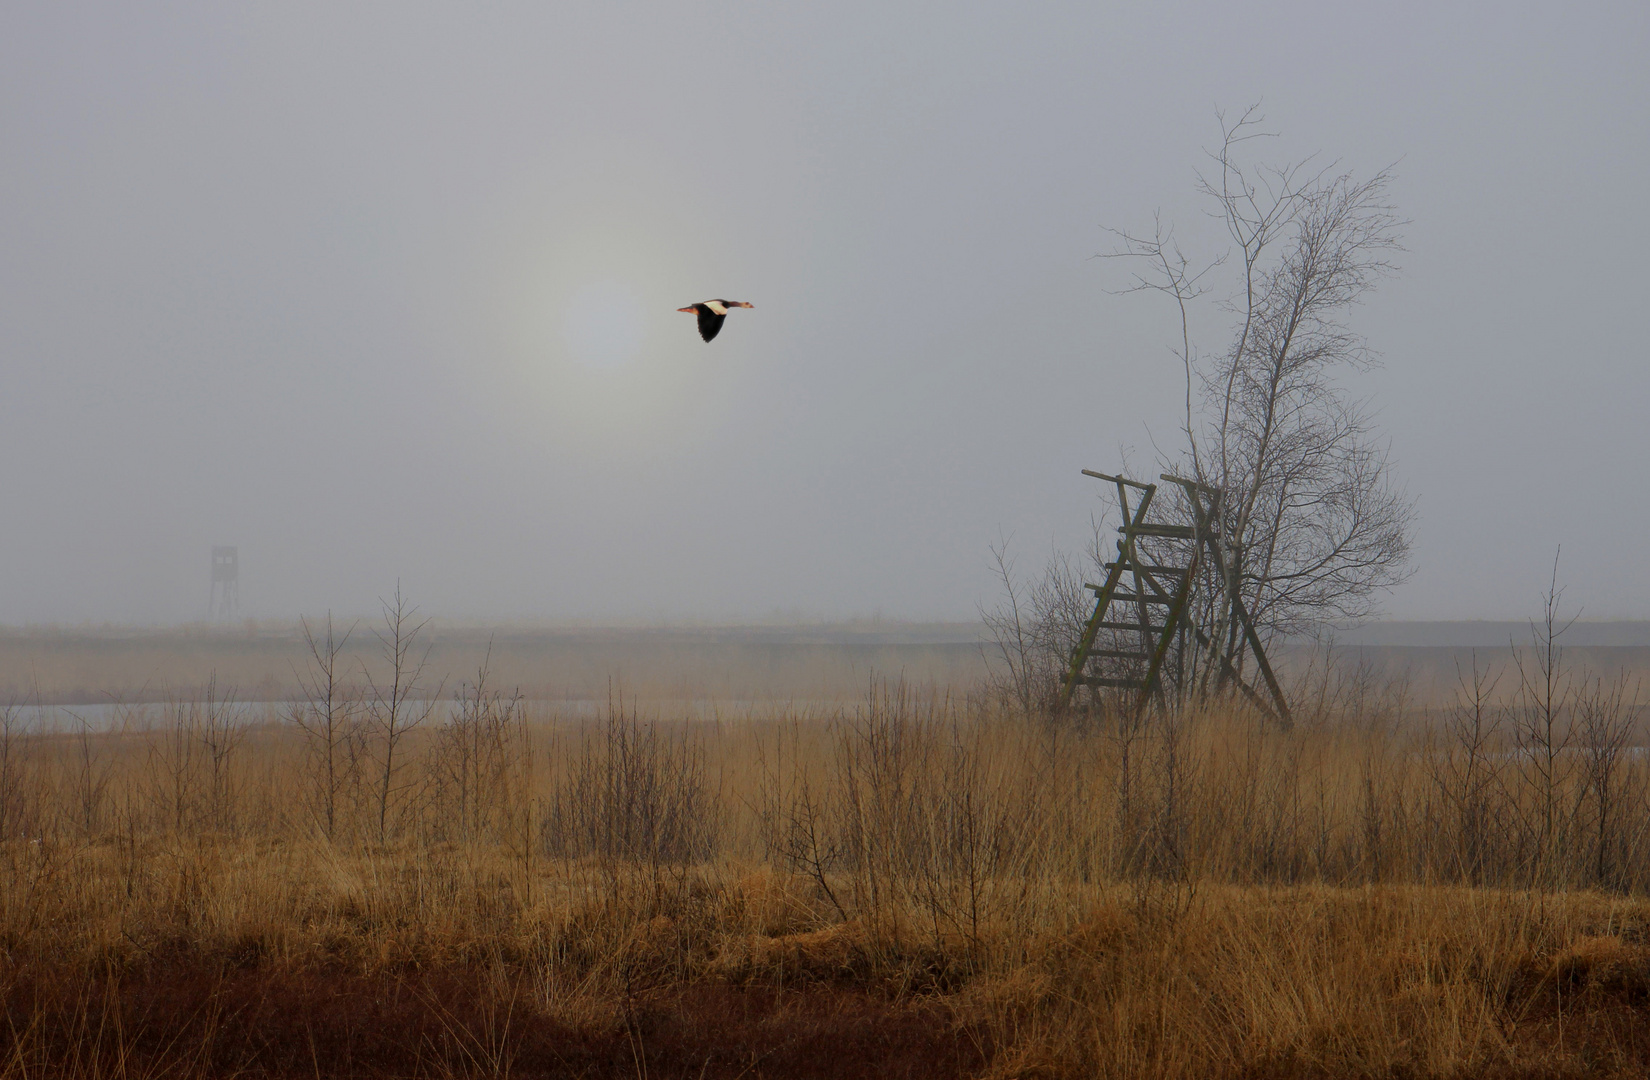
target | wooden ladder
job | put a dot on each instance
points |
(1154, 587)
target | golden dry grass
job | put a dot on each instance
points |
(905, 888)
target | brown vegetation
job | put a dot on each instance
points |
(911, 887)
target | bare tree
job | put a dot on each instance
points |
(1034, 629)
(1315, 523)
(1012, 629)
(1607, 708)
(1543, 727)
(396, 707)
(175, 765)
(222, 729)
(327, 717)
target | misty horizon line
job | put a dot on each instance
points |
(786, 620)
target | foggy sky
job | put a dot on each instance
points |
(385, 292)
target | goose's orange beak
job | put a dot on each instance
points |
(688, 309)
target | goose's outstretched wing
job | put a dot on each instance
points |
(710, 322)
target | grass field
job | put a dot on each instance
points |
(908, 885)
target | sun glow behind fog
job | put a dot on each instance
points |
(601, 359)
(602, 325)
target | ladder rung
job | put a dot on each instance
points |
(1114, 654)
(1129, 597)
(1177, 532)
(1121, 684)
(1130, 626)
(1177, 570)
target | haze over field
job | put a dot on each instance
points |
(386, 292)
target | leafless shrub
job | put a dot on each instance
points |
(1013, 627)
(19, 795)
(1542, 722)
(1034, 627)
(191, 781)
(986, 829)
(882, 752)
(222, 728)
(89, 778)
(174, 775)
(795, 818)
(474, 763)
(914, 811)
(1468, 772)
(331, 725)
(636, 796)
(1606, 710)
(398, 706)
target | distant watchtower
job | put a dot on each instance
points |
(225, 598)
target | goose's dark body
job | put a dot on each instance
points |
(711, 313)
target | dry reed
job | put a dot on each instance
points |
(915, 886)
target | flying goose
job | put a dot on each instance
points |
(711, 313)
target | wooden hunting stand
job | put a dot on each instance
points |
(1167, 564)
